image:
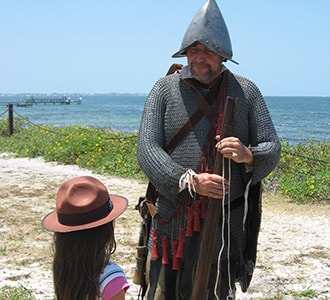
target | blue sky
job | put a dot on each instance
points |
(101, 46)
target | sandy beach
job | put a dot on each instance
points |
(293, 251)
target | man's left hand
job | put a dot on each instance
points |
(233, 148)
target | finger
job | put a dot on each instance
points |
(219, 180)
(217, 195)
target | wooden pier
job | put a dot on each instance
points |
(34, 101)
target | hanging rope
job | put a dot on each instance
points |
(223, 223)
(4, 112)
(57, 133)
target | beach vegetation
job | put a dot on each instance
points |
(302, 295)
(100, 150)
(303, 172)
(16, 293)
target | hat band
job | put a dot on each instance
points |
(87, 217)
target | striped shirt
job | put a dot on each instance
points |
(112, 280)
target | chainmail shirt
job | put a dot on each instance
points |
(169, 106)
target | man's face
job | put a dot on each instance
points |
(204, 64)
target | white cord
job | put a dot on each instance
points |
(230, 295)
(187, 181)
(246, 199)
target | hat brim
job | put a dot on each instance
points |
(50, 222)
(183, 53)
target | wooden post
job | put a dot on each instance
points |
(10, 119)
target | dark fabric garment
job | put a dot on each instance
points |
(183, 279)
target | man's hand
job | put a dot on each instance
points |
(210, 185)
(233, 148)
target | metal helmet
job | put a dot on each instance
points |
(209, 28)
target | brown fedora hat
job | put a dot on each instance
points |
(82, 203)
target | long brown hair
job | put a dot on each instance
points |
(79, 259)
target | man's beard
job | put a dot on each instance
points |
(208, 75)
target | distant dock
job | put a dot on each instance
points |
(34, 101)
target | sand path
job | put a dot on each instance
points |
(293, 253)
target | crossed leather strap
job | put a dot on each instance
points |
(203, 110)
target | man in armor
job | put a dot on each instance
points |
(183, 175)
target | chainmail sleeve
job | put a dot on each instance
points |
(155, 132)
(261, 138)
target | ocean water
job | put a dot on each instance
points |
(296, 119)
(118, 112)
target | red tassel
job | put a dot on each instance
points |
(196, 213)
(189, 221)
(165, 260)
(154, 251)
(175, 260)
(180, 249)
(203, 207)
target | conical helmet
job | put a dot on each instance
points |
(209, 28)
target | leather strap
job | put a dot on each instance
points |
(174, 68)
(204, 109)
(204, 106)
(151, 193)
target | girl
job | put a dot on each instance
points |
(83, 226)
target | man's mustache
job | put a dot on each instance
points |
(200, 64)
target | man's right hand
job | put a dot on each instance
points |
(210, 185)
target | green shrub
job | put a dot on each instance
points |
(17, 126)
(16, 293)
(302, 295)
(303, 172)
(100, 150)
